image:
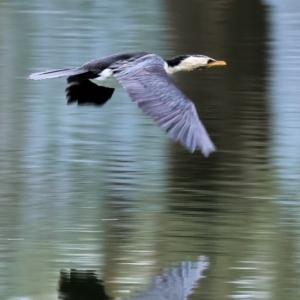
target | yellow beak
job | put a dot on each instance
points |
(217, 63)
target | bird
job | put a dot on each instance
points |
(174, 283)
(146, 78)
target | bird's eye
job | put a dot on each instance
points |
(210, 61)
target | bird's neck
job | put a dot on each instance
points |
(171, 69)
(174, 65)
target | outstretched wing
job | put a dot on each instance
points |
(175, 283)
(154, 91)
(82, 91)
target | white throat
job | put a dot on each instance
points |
(188, 64)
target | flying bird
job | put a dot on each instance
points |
(145, 76)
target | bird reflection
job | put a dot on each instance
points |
(175, 283)
(81, 285)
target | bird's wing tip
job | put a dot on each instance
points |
(206, 148)
(209, 150)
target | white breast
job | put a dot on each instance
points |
(106, 79)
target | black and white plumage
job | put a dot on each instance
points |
(145, 76)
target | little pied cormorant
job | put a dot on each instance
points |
(145, 76)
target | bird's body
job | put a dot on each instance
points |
(146, 78)
(106, 78)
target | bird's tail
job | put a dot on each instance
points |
(56, 73)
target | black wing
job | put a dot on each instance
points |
(154, 91)
(81, 90)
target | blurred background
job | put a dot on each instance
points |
(104, 189)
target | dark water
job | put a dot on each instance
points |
(103, 191)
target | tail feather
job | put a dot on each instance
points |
(56, 73)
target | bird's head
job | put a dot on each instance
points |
(191, 63)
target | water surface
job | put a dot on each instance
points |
(104, 192)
